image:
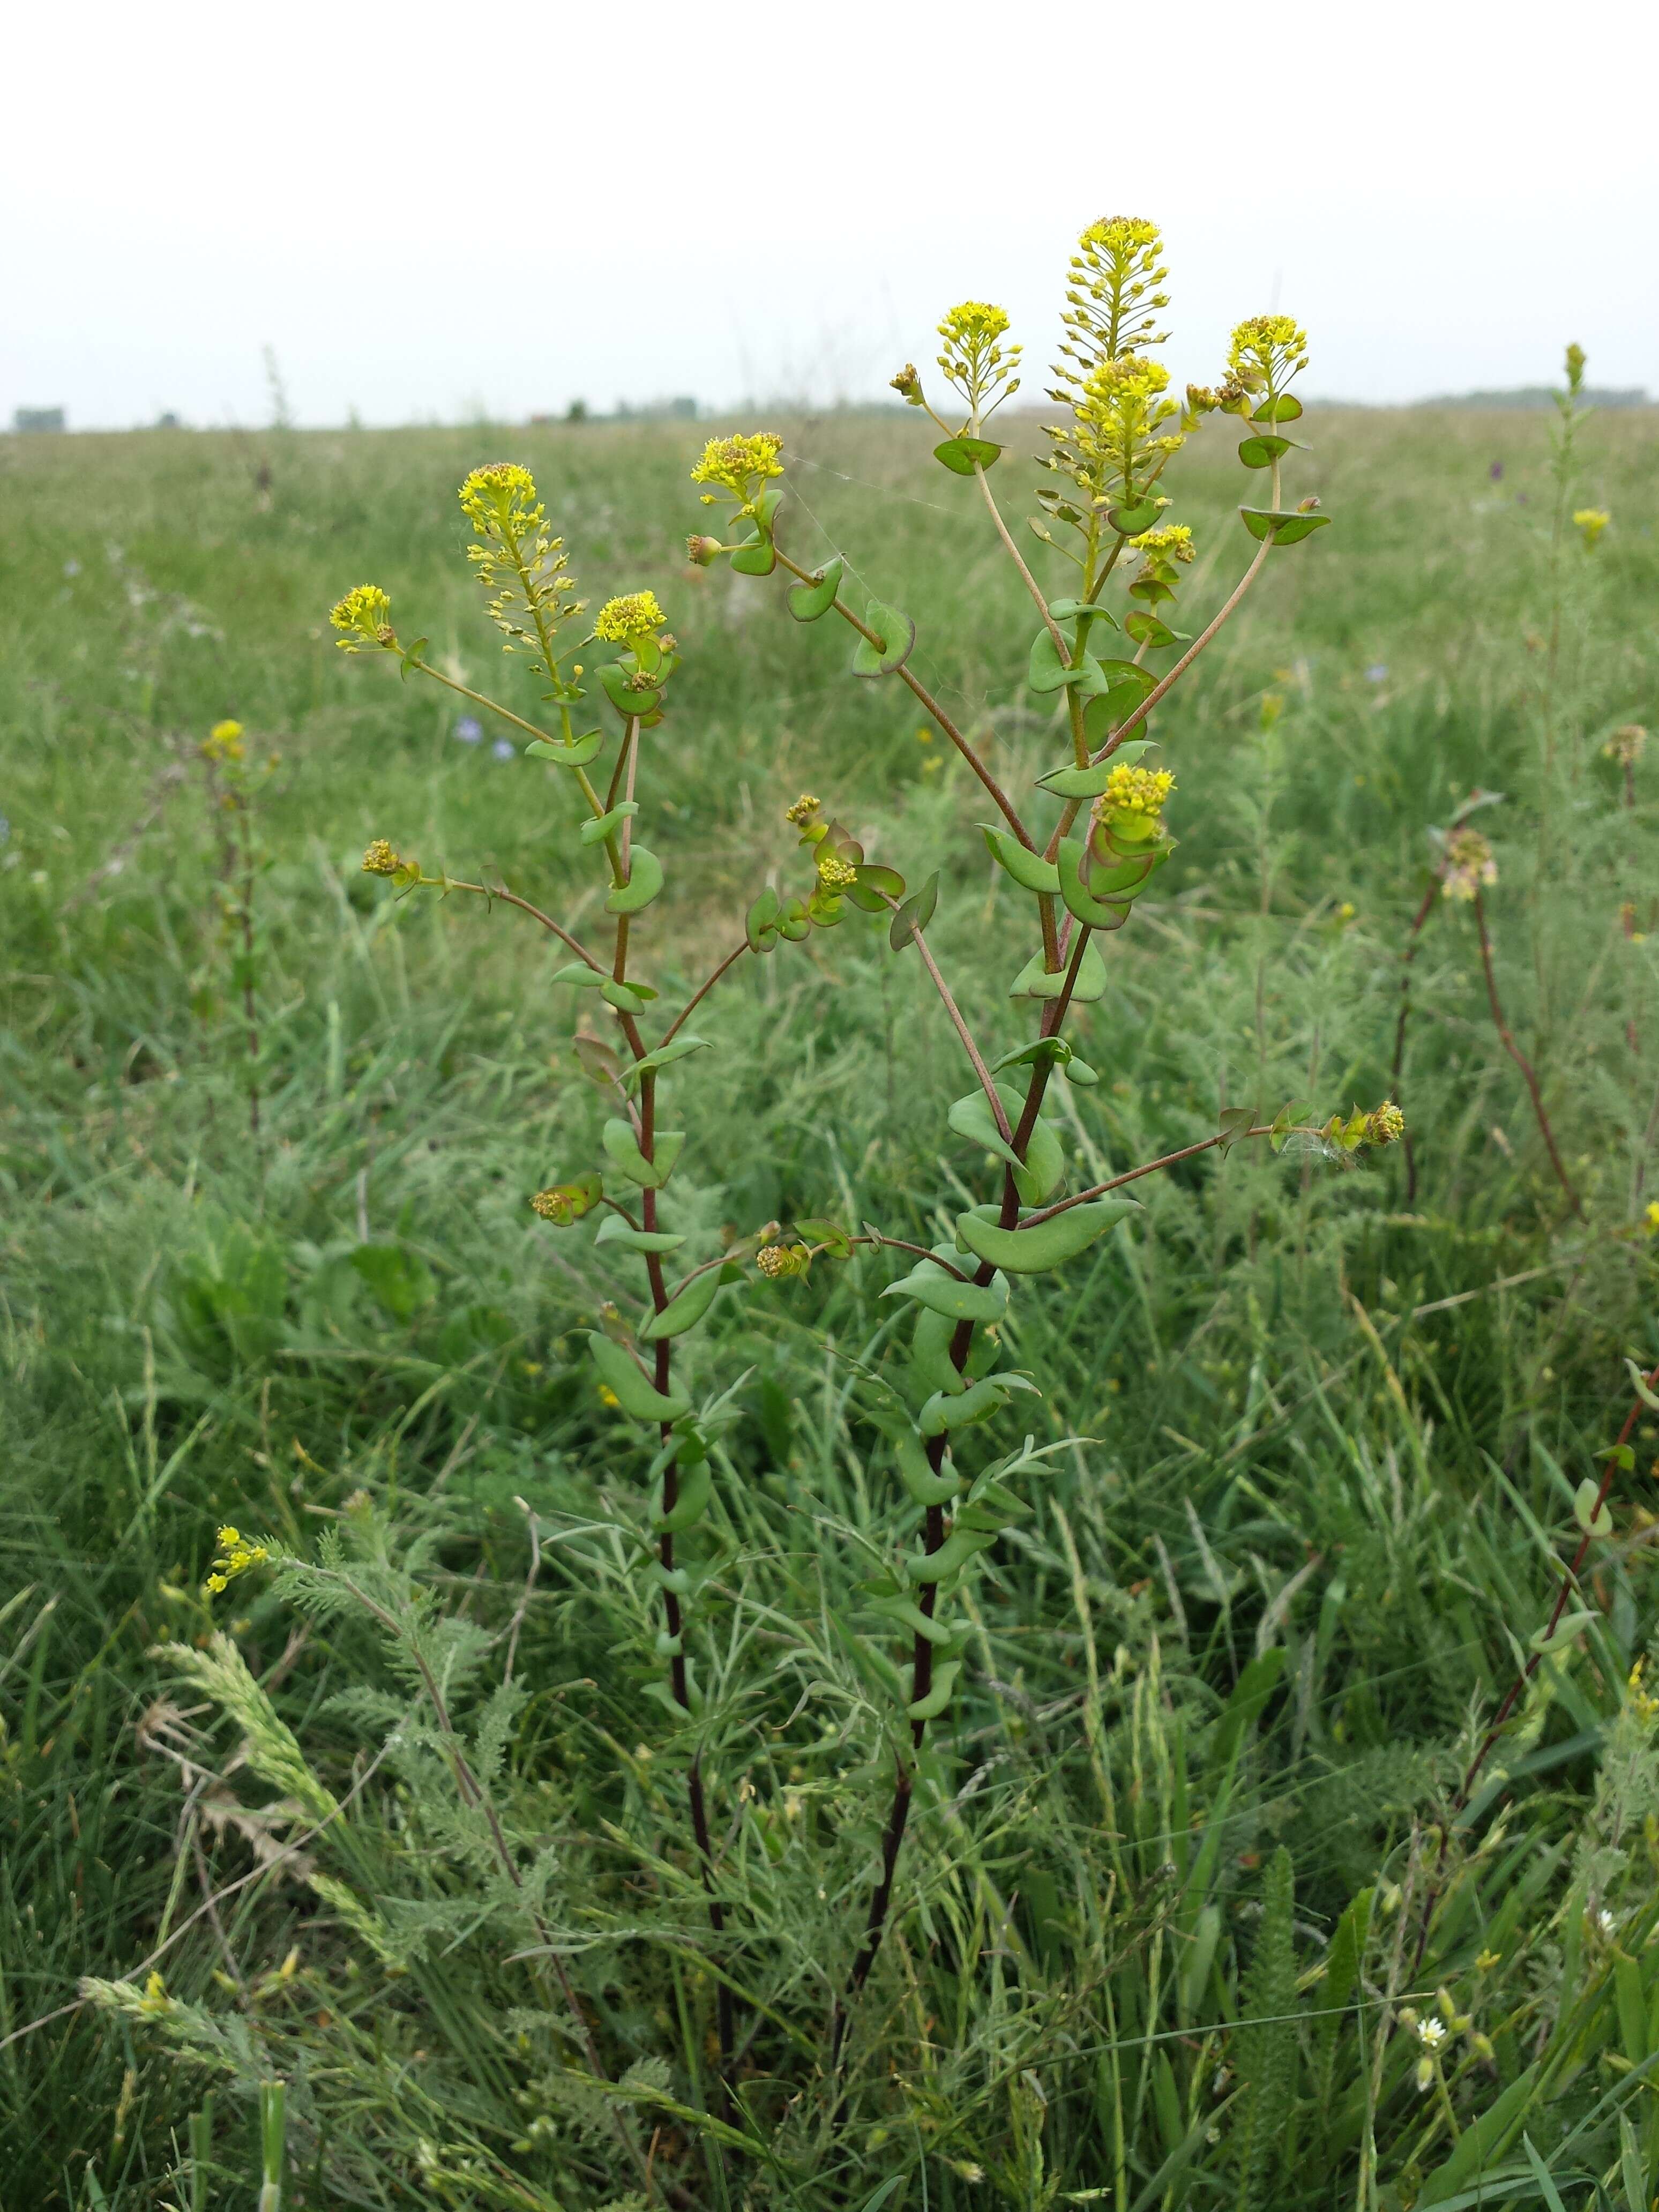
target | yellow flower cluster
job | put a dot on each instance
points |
(235, 1556)
(908, 385)
(224, 742)
(1468, 864)
(740, 464)
(493, 493)
(1385, 1124)
(1173, 541)
(975, 322)
(635, 615)
(979, 367)
(521, 566)
(1267, 349)
(1120, 236)
(778, 1261)
(381, 859)
(566, 1202)
(1590, 522)
(1626, 744)
(365, 616)
(1642, 1701)
(834, 873)
(803, 810)
(1137, 790)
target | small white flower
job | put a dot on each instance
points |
(1607, 1923)
(1432, 2035)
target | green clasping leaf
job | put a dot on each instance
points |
(644, 882)
(760, 924)
(1594, 1520)
(619, 690)
(1039, 1174)
(628, 1383)
(915, 914)
(1261, 453)
(602, 825)
(961, 455)
(577, 754)
(756, 556)
(929, 1285)
(1028, 869)
(1050, 1244)
(1079, 900)
(664, 1056)
(1035, 982)
(897, 634)
(1283, 529)
(1130, 521)
(1147, 629)
(939, 1696)
(876, 887)
(684, 1310)
(807, 601)
(696, 1489)
(613, 1230)
(623, 1150)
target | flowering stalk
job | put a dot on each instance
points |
(1121, 431)
(525, 569)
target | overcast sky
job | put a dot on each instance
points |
(438, 212)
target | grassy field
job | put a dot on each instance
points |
(1226, 1677)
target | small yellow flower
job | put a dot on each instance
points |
(1137, 791)
(778, 1261)
(1469, 864)
(1172, 540)
(1487, 1960)
(236, 1554)
(908, 385)
(224, 742)
(1385, 1124)
(975, 322)
(741, 465)
(803, 810)
(1120, 235)
(973, 360)
(381, 859)
(1651, 1217)
(493, 493)
(1267, 349)
(155, 2000)
(834, 873)
(1643, 1703)
(365, 616)
(565, 1202)
(1590, 522)
(608, 1396)
(624, 621)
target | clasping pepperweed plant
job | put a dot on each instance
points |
(1105, 567)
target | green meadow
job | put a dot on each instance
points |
(1191, 1912)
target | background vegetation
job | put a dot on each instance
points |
(1332, 1438)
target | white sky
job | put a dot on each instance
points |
(432, 212)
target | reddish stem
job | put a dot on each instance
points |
(1521, 1060)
